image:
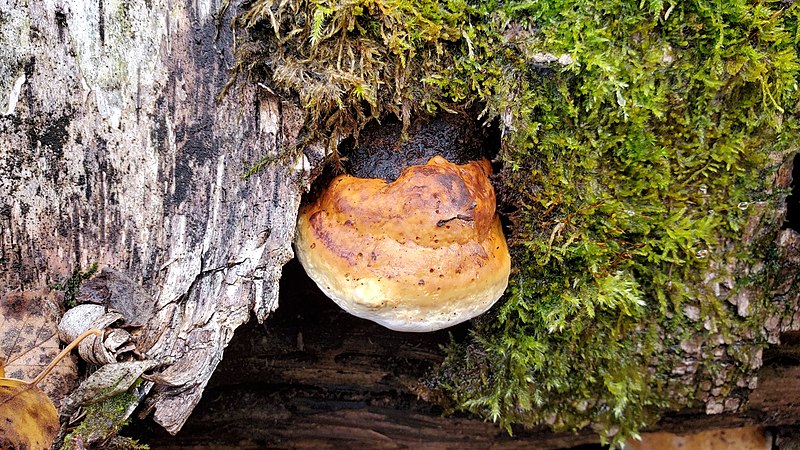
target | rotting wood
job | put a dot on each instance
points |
(115, 151)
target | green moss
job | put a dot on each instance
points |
(350, 62)
(632, 170)
(71, 285)
(101, 424)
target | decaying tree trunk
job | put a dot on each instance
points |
(115, 151)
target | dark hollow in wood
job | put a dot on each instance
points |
(383, 151)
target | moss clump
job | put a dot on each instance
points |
(641, 138)
(71, 285)
(632, 174)
(101, 424)
(350, 61)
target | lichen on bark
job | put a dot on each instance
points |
(641, 153)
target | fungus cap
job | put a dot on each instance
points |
(422, 253)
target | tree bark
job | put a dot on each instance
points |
(115, 150)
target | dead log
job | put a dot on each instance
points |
(114, 150)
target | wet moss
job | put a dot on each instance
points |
(640, 144)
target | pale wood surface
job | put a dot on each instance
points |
(114, 150)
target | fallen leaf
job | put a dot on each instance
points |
(29, 418)
(117, 292)
(116, 342)
(29, 341)
(108, 381)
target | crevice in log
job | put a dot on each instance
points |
(793, 200)
(786, 354)
(383, 151)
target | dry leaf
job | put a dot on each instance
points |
(29, 418)
(77, 320)
(117, 292)
(108, 381)
(29, 341)
(115, 344)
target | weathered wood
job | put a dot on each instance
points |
(314, 377)
(115, 151)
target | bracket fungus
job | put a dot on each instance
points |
(421, 253)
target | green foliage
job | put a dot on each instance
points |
(101, 425)
(71, 285)
(641, 140)
(349, 61)
(632, 172)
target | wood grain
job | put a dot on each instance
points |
(114, 149)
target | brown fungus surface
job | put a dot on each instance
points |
(421, 253)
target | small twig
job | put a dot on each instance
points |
(64, 353)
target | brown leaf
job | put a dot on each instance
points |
(117, 292)
(29, 341)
